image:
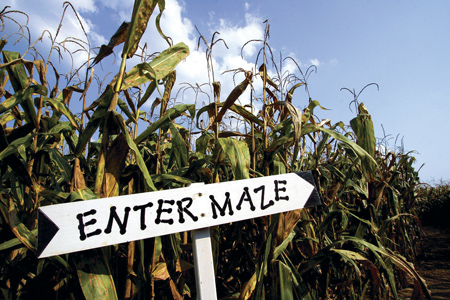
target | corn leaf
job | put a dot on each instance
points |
(117, 39)
(179, 147)
(53, 196)
(290, 93)
(170, 177)
(296, 117)
(19, 229)
(60, 107)
(266, 78)
(115, 164)
(243, 112)
(366, 158)
(204, 142)
(171, 249)
(248, 288)
(286, 285)
(362, 125)
(142, 11)
(94, 121)
(9, 153)
(240, 110)
(162, 5)
(234, 95)
(148, 92)
(124, 107)
(238, 154)
(158, 68)
(94, 275)
(21, 96)
(281, 247)
(139, 160)
(170, 81)
(60, 162)
(14, 146)
(14, 242)
(20, 81)
(6, 117)
(168, 116)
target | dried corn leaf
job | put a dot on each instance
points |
(117, 39)
(268, 80)
(234, 95)
(142, 11)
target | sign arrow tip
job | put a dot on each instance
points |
(47, 229)
(314, 198)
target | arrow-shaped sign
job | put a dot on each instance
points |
(76, 226)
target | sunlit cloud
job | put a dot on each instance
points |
(85, 5)
(120, 5)
(315, 62)
(193, 70)
(236, 36)
(333, 62)
(69, 34)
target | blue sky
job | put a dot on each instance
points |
(403, 46)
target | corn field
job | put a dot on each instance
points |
(360, 244)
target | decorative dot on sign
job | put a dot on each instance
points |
(202, 215)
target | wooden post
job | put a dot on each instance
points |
(204, 264)
(205, 278)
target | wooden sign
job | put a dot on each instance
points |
(76, 226)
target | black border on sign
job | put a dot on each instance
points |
(47, 230)
(314, 198)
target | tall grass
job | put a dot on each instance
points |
(359, 244)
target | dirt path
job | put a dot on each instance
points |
(434, 262)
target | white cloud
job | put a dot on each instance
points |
(84, 5)
(180, 29)
(236, 36)
(194, 69)
(315, 62)
(120, 5)
(48, 14)
(47, 17)
(333, 62)
(97, 39)
(289, 66)
(173, 23)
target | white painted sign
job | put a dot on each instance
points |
(76, 226)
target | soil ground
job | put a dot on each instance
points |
(433, 264)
